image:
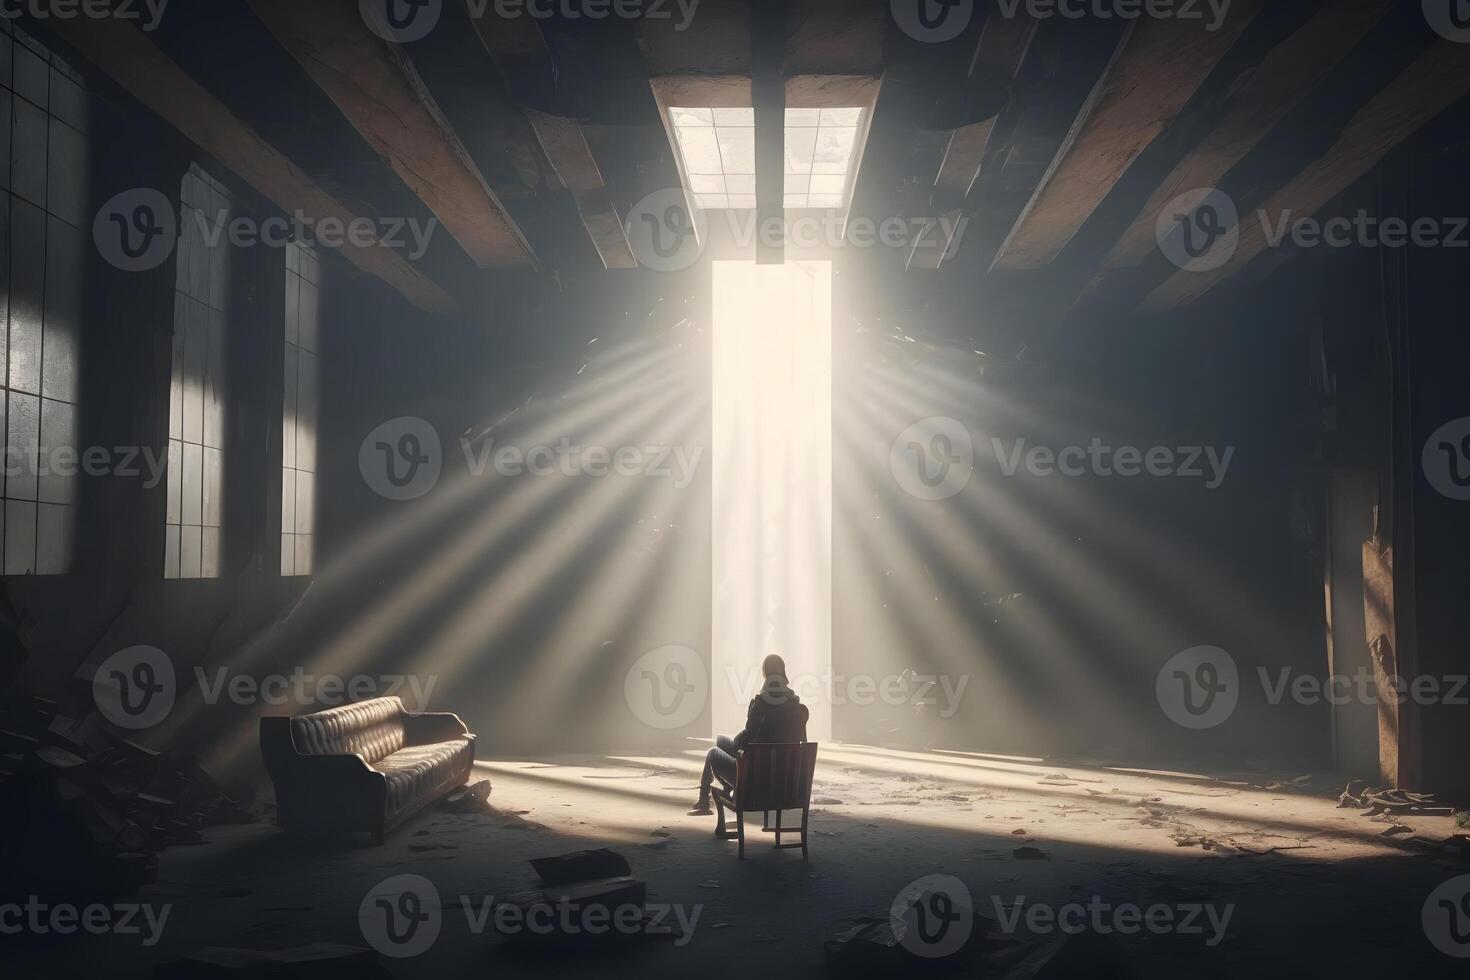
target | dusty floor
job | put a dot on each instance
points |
(1310, 889)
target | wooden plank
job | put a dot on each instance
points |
(1436, 80)
(1284, 77)
(998, 57)
(123, 53)
(511, 43)
(383, 99)
(1156, 70)
(566, 147)
(1004, 42)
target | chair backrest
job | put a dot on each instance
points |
(370, 729)
(776, 776)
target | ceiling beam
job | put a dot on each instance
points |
(514, 43)
(1436, 80)
(768, 96)
(377, 90)
(1156, 69)
(1283, 79)
(124, 54)
(1004, 42)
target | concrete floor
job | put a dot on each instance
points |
(1310, 889)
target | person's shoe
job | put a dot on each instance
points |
(701, 808)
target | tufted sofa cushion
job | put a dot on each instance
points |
(371, 730)
(424, 772)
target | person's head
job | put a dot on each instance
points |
(774, 666)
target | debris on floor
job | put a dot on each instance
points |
(564, 869)
(1396, 801)
(470, 798)
(93, 799)
(574, 885)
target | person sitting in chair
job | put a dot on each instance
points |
(776, 714)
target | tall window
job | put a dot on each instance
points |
(43, 209)
(196, 418)
(299, 412)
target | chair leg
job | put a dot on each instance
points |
(803, 833)
(740, 832)
(778, 828)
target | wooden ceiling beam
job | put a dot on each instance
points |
(1004, 42)
(1436, 80)
(512, 43)
(1285, 76)
(124, 54)
(376, 89)
(1156, 69)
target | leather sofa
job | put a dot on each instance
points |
(367, 766)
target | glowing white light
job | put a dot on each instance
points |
(772, 518)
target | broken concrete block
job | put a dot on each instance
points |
(606, 893)
(566, 869)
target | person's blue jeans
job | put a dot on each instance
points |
(718, 761)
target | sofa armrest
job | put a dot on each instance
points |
(433, 726)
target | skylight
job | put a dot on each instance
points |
(718, 150)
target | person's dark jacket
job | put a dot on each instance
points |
(775, 715)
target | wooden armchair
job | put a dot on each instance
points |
(776, 776)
